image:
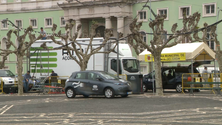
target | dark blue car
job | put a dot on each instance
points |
(171, 77)
(88, 83)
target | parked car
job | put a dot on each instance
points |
(88, 83)
(171, 77)
(8, 77)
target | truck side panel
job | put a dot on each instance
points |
(42, 62)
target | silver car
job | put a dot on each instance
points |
(88, 83)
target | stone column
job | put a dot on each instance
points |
(108, 23)
(120, 24)
(128, 20)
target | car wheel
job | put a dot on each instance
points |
(70, 93)
(85, 96)
(144, 88)
(179, 87)
(124, 96)
(109, 93)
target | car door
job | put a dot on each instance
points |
(170, 80)
(80, 82)
(164, 79)
(95, 83)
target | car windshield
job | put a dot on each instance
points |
(108, 75)
(6, 73)
(130, 65)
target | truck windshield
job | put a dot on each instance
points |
(6, 73)
(130, 65)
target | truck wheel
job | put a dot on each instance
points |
(70, 93)
(144, 88)
(109, 93)
(179, 87)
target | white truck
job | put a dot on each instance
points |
(42, 62)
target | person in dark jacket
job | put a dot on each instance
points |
(54, 77)
(26, 81)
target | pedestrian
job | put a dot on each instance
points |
(205, 74)
(26, 81)
(43, 33)
(54, 77)
(205, 70)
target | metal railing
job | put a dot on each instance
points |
(207, 81)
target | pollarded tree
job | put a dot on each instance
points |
(211, 31)
(189, 28)
(4, 54)
(19, 51)
(81, 57)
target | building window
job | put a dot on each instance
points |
(184, 10)
(210, 40)
(33, 23)
(18, 23)
(144, 36)
(4, 25)
(48, 22)
(62, 21)
(142, 15)
(209, 9)
(163, 11)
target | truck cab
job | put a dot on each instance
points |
(128, 65)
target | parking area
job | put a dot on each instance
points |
(140, 109)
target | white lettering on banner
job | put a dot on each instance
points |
(67, 58)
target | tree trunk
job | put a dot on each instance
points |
(219, 60)
(83, 66)
(158, 76)
(20, 78)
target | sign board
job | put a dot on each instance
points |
(170, 57)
